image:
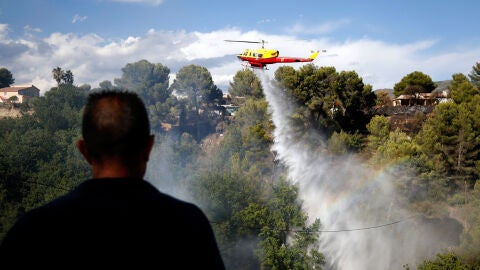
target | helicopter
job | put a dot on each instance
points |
(261, 57)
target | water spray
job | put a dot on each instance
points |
(350, 199)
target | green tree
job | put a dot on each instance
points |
(106, 85)
(328, 101)
(461, 89)
(148, 80)
(445, 261)
(196, 82)
(415, 82)
(449, 141)
(383, 98)
(250, 211)
(254, 123)
(343, 143)
(6, 78)
(224, 197)
(85, 87)
(398, 148)
(203, 96)
(60, 107)
(62, 76)
(245, 144)
(470, 238)
(58, 75)
(353, 98)
(287, 77)
(246, 84)
(67, 77)
(37, 165)
(38, 156)
(286, 219)
(379, 130)
(475, 75)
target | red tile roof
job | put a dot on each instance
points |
(16, 88)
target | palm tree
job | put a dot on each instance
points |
(68, 77)
(58, 75)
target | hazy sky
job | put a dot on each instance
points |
(381, 40)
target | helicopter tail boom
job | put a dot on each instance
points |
(313, 55)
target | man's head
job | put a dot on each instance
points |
(116, 128)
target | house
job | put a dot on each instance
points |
(22, 92)
(422, 99)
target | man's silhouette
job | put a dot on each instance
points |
(116, 219)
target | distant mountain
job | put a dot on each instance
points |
(442, 86)
(388, 90)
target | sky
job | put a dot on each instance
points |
(382, 41)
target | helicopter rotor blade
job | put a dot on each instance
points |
(244, 41)
(248, 41)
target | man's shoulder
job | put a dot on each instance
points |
(178, 207)
(106, 201)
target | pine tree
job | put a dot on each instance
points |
(6, 78)
(475, 75)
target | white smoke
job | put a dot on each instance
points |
(159, 172)
(364, 225)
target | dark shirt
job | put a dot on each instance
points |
(113, 223)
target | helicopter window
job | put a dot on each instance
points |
(260, 55)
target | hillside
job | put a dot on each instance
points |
(9, 112)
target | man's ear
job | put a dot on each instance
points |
(82, 147)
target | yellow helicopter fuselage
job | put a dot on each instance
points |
(260, 53)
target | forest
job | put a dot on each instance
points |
(224, 161)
